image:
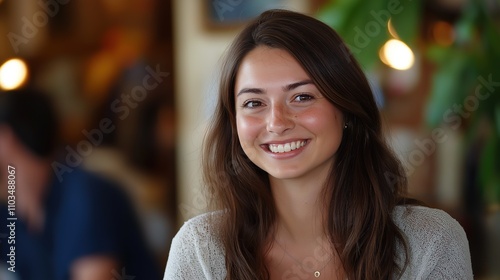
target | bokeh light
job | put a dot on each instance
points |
(443, 33)
(13, 74)
(397, 55)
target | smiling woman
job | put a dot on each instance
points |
(278, 107)
(307, 187)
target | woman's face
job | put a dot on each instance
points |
(285, 125)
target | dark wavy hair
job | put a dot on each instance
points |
(367, 180)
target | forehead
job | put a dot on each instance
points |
(265, 65)
(264, 55)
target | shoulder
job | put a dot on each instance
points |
(84, 190)
(89, 214)
(88, 200)
(410, 217)
(86, 182)
(196, 251)
(203, 223)
(200, 230)
(438, 245)
(425, 225)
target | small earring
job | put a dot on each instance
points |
(345, 125)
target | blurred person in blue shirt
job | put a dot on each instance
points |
(80, 226)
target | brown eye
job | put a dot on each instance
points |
(303, 97)
(252, 104)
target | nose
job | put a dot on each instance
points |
(279, 119)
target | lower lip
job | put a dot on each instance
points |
(286, 155)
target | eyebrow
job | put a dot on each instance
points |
(285, 88)
(296, 85)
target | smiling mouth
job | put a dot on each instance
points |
(287, 147)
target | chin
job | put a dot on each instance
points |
(284, 175)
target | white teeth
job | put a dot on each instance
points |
(282, 148)
(287, 147)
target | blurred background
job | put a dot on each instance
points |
(434, 66)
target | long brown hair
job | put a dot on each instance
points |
(367, 180)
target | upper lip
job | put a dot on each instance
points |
(284, 141)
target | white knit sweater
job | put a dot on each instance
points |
(437, 243)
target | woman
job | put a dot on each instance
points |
(296, 160)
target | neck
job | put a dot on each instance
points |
(300, 210)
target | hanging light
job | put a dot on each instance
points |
(397, 55)
(13, 74)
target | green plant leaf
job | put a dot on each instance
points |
(467, 24)
(336, 13)
(407, 22)
(360, 27)
(444, 89)
(438, 54)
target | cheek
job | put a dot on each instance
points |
(325, 122)
(321, 119)
(248, 130)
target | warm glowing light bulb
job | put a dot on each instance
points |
(397, 55)
(13, 74)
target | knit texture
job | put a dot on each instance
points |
(438, 247)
